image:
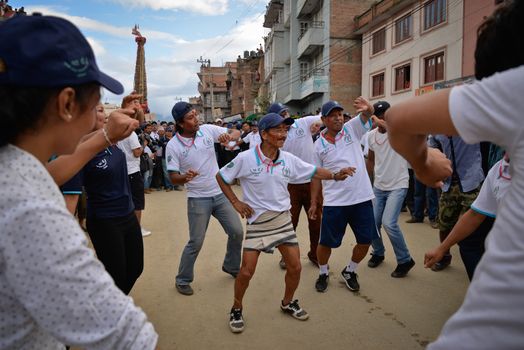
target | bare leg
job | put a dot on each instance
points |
(291, 255)
(359, 252)
(323, 254)
(247, 270)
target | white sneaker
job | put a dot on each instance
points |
(145, 233)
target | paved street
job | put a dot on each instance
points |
(387, 313)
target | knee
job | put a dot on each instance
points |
(246, 273)
(390, 227)
(294, 267)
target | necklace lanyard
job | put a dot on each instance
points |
(383, 142)
(337, 137)
(191, 144)
(268, 162)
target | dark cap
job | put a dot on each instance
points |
(277, 108)
(180, 109)
(380, 108)
(46, 51)
(272, 120)
(329, 106)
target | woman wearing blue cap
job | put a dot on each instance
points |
(54, 290)
(264, 173)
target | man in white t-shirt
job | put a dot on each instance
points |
(299, 142)
(264, 173)
(253, 138)
(191, 161)
(391, 182)
(345, 202)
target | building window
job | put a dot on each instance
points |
(379, 41)
(434, 13)
(434, 68)
(377, 85)
(304, 71)
(403, 28)
(403, 78)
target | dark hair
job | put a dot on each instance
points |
(500, 40)
(22, 107)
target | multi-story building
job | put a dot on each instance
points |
(196, 102)
(214, 88)
(410, 47)
(246, 82)
(310, 54)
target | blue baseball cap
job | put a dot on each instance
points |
(47, 51)
(329, 106)
(277, 108)
(272, 120)
(180, 109)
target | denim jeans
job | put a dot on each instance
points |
(148, 176)
(423, 193)
(387, 207)
(199, 211)
(167, 180)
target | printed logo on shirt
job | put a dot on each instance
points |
(230, 165)
(347, 139)
(185, 152)
(286, 171)
(256, 171)
(326, 150)
(102, 164)
(208, 142)
(169, 158)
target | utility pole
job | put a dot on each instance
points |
(203, 64)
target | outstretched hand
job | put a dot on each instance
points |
(363, 106)
(224, 138)
(120, 124)
(345, 172)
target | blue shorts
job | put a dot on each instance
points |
(360, 218)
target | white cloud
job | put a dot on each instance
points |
(205, 7)
(172, 73)
(98, 49)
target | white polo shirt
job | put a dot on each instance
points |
(127, 145)
(299, 140)
(253, 139)
(346, 152)
(493, 189)
(264, 182)
(198, 154)
(491, 315)
(391, 170)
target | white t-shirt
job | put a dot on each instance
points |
(391, 170)
(493, 189)
(299, 140)
(198, 154)
(264, 183)
(491, 316)
(253, 139)
(127, 145)
(365, 145)
(346, 152)
(234, 146)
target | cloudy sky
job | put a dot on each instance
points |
(178, 32)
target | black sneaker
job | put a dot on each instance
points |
(351, 280)
(403, 269)
(375, 260)
(184, 289)
(322, 283)
(236, 321)
(442, 264)
(294, 310)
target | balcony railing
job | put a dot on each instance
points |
(308, 25)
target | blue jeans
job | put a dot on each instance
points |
(148, 176)
(199, 211)
(167, 180)
(421, 194)
(387, 207)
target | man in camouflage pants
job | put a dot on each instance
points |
(460, 189)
